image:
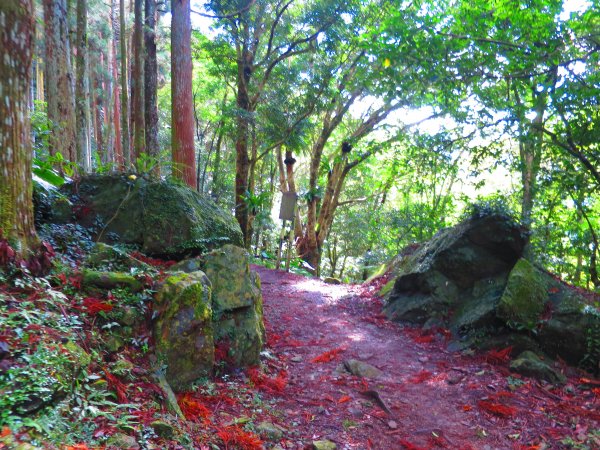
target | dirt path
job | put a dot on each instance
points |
(436, 398)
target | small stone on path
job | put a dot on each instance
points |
(361, 369)
(324, 445)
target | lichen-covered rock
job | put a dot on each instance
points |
(524, 296)
(184, 329)
(106, 257)
(160, 217)
(443, 274)
(573, 329)
(530, 365)
(236, 303)
(111, 280)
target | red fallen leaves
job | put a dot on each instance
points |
(497, 409)
(409, 445)
(117, 385)
(7, 254)
(192, 407)
(344, 399)
(262, 381)
(424, 339)
(498, 356)
(235, 437)
(420, 377)
(494, 404)
(152, 261)
(329, 355)
(95, 305)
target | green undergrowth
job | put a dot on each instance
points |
(76, 365)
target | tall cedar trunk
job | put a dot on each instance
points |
(116, 111)
(137, 82)
(182, 109)
(98, 105)
(124, 97)
(242, 160)
(16, 49)
(150, 84)
(59, 80)
(82, 122)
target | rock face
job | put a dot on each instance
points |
(162, 218)
(463, 264)
(472, 279)
(237, 305)
(183, 331)
(225, 323)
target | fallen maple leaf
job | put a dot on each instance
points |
(409, 445)
(420, 377)
(496, 408)
(344, 399)
(467, 408)
(329, 355)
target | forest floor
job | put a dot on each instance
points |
(435, 398)
(426, 397)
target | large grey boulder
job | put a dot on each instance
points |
(237, 305)
(162, 218)
(183, 331)
(456, 267)
(472, 279)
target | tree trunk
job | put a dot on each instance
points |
(150, 85)
(116, 101)
(16, 50)
(124, 97)
(137, 83)
(182, 108)
(242, 160)
(59, 80)
(98, 106)
(530, 150)
(82, 122)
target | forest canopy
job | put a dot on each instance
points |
(389, 119)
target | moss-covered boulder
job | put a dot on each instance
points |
(183, 331)
(572, 328)
(162, 218)
(531, 365)
(454, 268)
(524, 296)
(237, 304)
(110, 280)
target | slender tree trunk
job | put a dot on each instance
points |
(16, 51)
(150, 85)
(125, 138)
(82, 104)
(98, 107)
(137, 82)
(116, 103)
(182, 108)
(242, 160)
(59, 80)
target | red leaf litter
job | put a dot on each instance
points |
(436, 398)
(329, 355)
(234, 437)
(192, 407)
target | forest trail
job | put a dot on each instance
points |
(436, 398)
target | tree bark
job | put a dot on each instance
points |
(150, 85)
(116, 101)
(82, 104)
(182, 108)
(137, 82)
(16, 50)
(124, 96)
(59, 80)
